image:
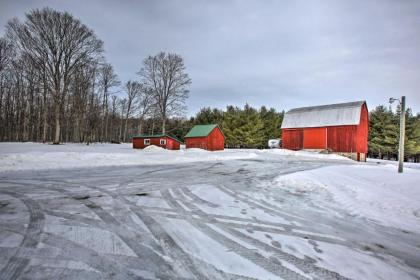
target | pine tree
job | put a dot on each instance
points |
(383, 132)
(252, 128)
(272, 122)
(230, 123)
(412, 134)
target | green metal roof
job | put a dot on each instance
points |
(156, 136)
(201, 130)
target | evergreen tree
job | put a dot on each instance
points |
(412, 134)
(383, 132)
(272, 122)
(231, 120)
(251, 128)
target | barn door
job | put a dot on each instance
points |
(315, 138)
(292, 139)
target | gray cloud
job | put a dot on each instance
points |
(280, 54)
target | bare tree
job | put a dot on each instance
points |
(6, 52)
(59, 42)
(108, 79)
(5, 59)
(145, 104)
(123, 107)
(133, 89)
(165, 75)
(114, 103)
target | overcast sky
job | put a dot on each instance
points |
(281, 54)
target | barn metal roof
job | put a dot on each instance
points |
(201, 130)
(325, 115)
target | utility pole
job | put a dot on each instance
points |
(402, 136)
(402, 132)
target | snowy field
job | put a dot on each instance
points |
(35, 156)
(108, 211)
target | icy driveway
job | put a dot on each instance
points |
(212, 220)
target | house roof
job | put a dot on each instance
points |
(157, 136)
(325, 115)
(201, 130)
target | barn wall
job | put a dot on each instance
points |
(196, 142)
(171, 144)
(292, 139)
(315, 138)
(215, 140)
(138, 143)
(342, 138)
(363, 131)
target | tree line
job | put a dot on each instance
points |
(245, 127)
(384, 133)
(56, 85)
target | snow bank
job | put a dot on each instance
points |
(308, 154)
(154, 148)
(35, 156)
(375, 192)
(414, 165)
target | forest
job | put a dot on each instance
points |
(57, 86)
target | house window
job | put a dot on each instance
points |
(162, 142)
(146, 142)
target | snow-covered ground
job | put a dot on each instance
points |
(36, 156)
(413, 165)
(374, 192)
(108, 211)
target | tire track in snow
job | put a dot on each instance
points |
(108, 224)
(186, 260)
(262, 225)
(305, 265)
(254, 257)
(210, 218)
(272, 209)
(106, 265)
(171, 248)
(17, 263)
(166, 242)
(130, 238)
(196, 198)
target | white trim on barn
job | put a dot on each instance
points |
(326, 115)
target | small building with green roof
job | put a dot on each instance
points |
(205, 136)
(160, 140)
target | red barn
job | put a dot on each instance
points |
(340, 128)
(161, 140)
(207, 137)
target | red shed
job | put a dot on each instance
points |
(207, 137)
(161, 140)
(341, 128)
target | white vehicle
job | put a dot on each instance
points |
(274, 143)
